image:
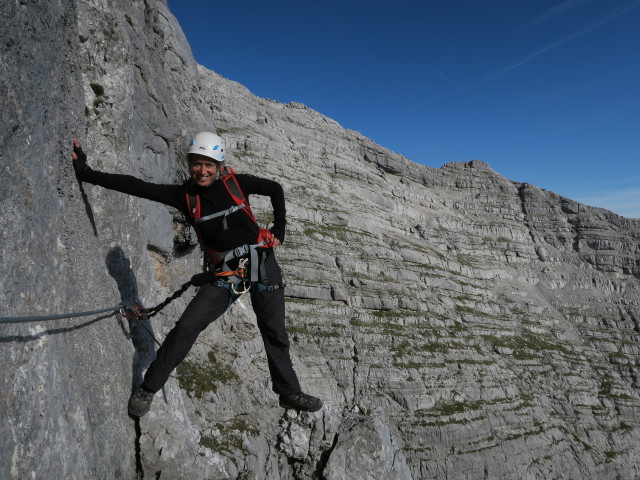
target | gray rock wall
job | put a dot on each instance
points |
(100, 71)
(457, 324)
(62, 381)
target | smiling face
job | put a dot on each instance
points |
(204, 170)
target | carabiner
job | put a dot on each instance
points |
(130, 311)
(246, 285)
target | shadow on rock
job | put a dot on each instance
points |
(140, 331)
(88, 209)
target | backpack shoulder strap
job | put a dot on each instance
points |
(193, 204)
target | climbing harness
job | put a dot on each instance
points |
(236, 278)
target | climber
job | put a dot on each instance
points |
(229, 236)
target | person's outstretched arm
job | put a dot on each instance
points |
(172, 195)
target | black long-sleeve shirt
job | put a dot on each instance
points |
(214, 198)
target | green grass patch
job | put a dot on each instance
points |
(466, 260)
(98, 89)
(204, 376)
(225, 130)
(454, 408)
(410, 365)
(606, 389)
(314, 330)
(528, 346)
(472, 311)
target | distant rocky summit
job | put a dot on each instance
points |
(457, 324)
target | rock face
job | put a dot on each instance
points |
(457, 324)
(98, 70)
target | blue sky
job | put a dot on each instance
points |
(546, 92)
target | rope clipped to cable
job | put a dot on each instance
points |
(43, 318)
(126, 310)
(123, 309)
(198, 280)
(136, 311)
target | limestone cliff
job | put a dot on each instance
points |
(457, 324)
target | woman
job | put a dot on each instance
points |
(216, 200)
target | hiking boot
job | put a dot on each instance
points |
(301, 401)
(140, 402)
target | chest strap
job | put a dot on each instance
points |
(222, 213)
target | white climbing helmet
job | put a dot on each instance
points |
(207, 144)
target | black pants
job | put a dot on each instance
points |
(210, 302)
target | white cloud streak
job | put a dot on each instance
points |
(442, 75)
(556, 11)
(577, 34)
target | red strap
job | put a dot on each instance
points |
(194, 210)
(265, 237)
(233, 187)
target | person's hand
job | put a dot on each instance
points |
(79, 157)
(276, 242)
